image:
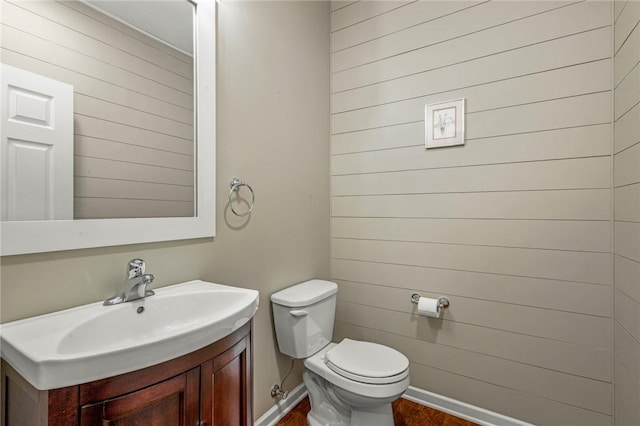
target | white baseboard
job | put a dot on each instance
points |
(282, 407)
(460, 409)
(441, 403)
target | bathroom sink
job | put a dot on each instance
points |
(93, 341)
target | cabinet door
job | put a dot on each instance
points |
(226, 388)
(173, 402)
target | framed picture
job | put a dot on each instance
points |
(444, 124)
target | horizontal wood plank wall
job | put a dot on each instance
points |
(627, 212)
(515, 227)
(133, 106)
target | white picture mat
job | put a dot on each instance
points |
(444, 124)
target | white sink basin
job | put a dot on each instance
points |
(92, 342)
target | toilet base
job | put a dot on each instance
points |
(328, 409)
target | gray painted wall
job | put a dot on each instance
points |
(627, 212)
(515, 226)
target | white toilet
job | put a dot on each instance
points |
(349, 383)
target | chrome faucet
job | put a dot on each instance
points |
(135, 284)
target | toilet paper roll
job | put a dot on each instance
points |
(428, 307)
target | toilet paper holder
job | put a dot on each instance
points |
(443, 302)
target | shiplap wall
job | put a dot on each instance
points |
(133, 120)
(514, 227)
(627, 212)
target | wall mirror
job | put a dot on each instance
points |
(108, 123)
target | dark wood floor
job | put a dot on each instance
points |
(405, 413)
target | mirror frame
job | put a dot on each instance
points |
(22, 237)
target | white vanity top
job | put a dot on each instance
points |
(93, 341)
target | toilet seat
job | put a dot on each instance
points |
(367, 362)
(318, 365)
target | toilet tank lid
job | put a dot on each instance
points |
(305, 294)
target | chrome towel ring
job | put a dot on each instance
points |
(235, 185)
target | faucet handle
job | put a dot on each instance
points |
(136, 268)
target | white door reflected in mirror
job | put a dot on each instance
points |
(36, 141)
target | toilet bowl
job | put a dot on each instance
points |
(349, 383)
(352, 399)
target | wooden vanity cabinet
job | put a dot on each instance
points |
(209, 387)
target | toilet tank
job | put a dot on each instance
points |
(303, 315)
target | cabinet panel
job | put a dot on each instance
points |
(21, 404)
(226, 387)
(173, 402)
(226, 384)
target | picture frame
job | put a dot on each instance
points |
(444, 124)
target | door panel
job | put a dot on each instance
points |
(36, 147)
